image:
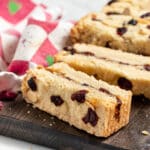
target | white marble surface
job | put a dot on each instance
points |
(73, 10)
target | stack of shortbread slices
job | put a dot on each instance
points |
(90, 86)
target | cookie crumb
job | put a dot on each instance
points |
(44, 120)
(144, 132)
(50, 124)
(28, 112)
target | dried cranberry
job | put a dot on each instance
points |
(107, 44)
(105, 91)
(113, 13)
(57, 100)
(70, 49)
(91, 117)
(79, 96)
(7, 96)
(95, 76)
(147, 67)
(68, 78)
(32, 84)
(124, 83)
(84, 84)
(121, 31)
(132, 22)
(123, 63)
(117, 110)
(110, 2)
(96, 19)
(148, 26)
(87, 53)
(145, 15)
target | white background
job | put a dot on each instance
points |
(73, 10)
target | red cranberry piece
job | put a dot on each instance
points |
(105, 91)
(87, 53)
(147, 67)
(148, 26)
(84, 84)
(145, 15)
(107, 44)
(110, 2)
(57, 100)
(113, 13)
(132, 22)
(7, 96)
(95, 19)
(68, 78)
(70, 49)
(117, 109)
(91, 117)
(123, 63)
(121, 31)
(79, 96)
(32, 84)
(95, 75)
(124, 83)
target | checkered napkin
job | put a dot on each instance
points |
(43, 35)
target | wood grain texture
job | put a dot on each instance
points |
(20, 120)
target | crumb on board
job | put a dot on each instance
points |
(44, 120)
(28, 112)
(144, 132)
(146, 115)
(50, 124)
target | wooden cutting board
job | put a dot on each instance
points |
(20, 120)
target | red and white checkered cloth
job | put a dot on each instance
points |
(43, 36)
(14, 15)
(39, 41)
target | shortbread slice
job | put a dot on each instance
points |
(129, 71)
(144, 4)
(97, 111)
(127, 9)
(114, 31)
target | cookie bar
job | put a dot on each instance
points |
(129, 71)
(114, 31)
(134, 8)
(144, 4)
(93, 106)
